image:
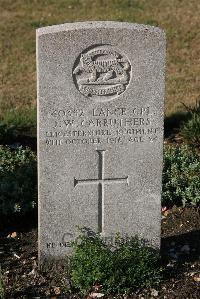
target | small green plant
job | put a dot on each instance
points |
(181, 176)
(190, 130)
(193, 109)
(120, 268)
(18, 180)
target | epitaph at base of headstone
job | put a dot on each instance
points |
(100, 131)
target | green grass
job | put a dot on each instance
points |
(19, 20)
(22, 119)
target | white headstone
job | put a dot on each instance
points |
(100, 131)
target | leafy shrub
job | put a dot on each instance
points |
(190, 130)
(181, 176)
(18, 180)
(193, 109)
(121, 268)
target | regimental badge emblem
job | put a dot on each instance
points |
(102, 73)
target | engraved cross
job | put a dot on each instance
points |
(100, 182)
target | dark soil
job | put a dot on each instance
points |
(180, 254)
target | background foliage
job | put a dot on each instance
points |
(18, 180)
(181, 176)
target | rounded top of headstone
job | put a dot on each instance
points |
(99, 25)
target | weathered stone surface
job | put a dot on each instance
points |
(100, 131)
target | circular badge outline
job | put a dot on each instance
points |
(96, 47)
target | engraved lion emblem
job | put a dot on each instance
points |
(102, 72)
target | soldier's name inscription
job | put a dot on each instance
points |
(119, 125)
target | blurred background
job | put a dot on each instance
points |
(19, 20)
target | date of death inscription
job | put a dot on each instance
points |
(118, 125)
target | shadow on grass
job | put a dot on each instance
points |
(26, 141)
(18, 127)
(15, 137)
(173, 122)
